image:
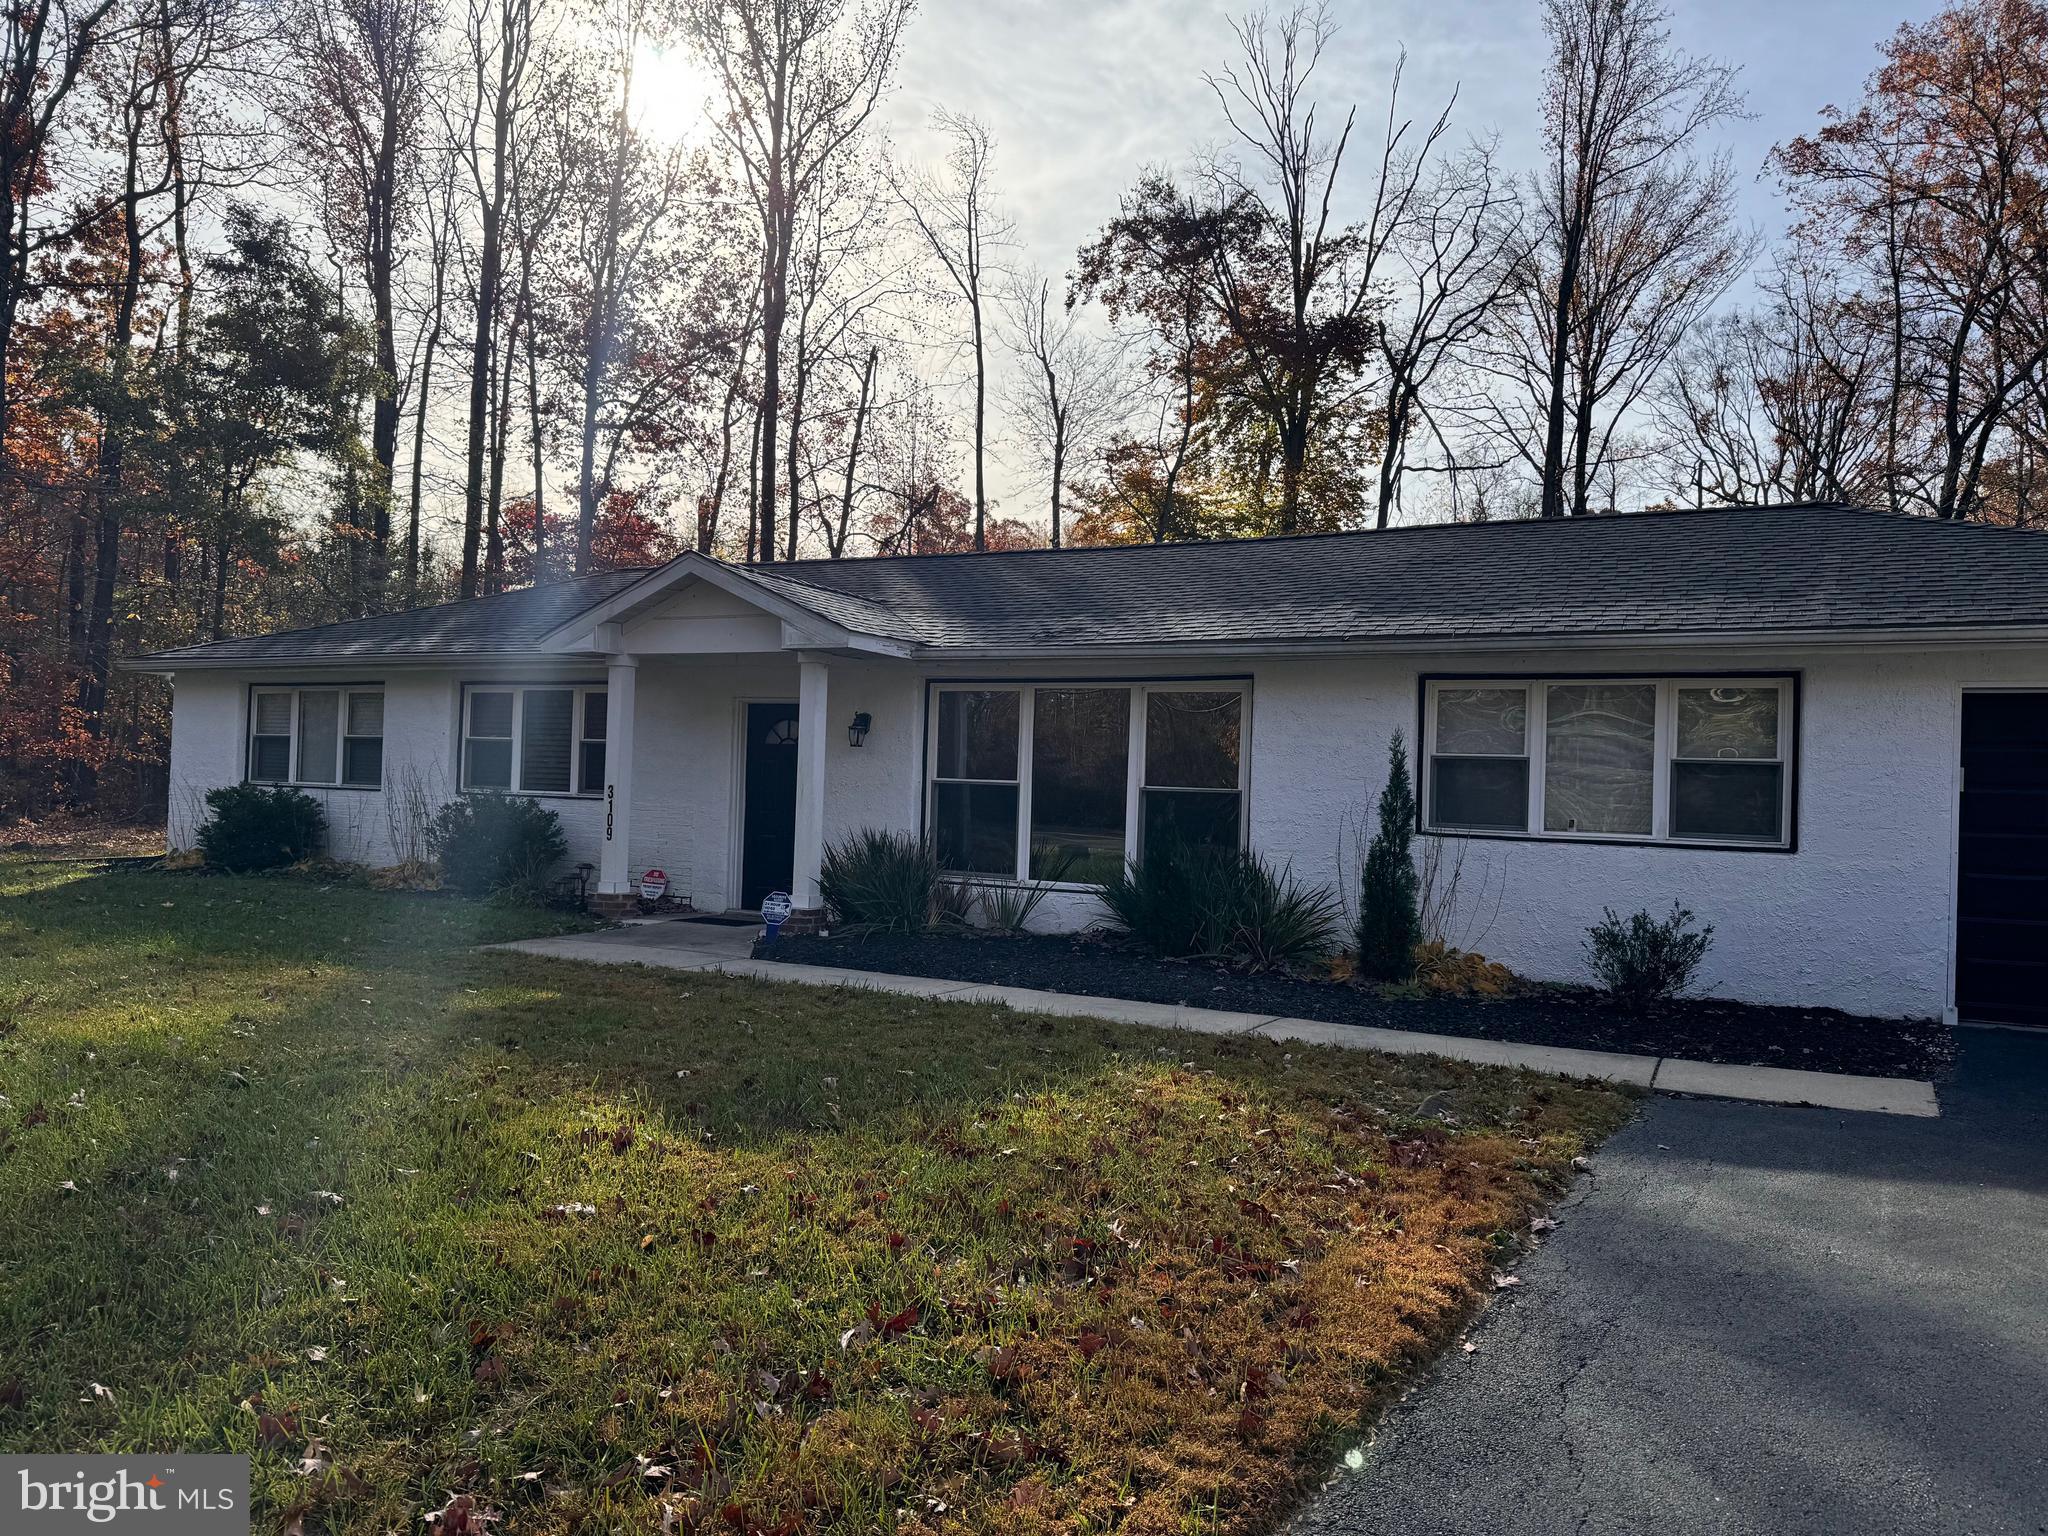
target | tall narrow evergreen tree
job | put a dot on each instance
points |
(1389, 922)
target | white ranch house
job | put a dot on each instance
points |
(1824, 729)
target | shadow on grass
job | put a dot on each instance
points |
(621, 1177)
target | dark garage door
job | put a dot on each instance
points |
(2002, 871)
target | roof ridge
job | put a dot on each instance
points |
(1641, 514)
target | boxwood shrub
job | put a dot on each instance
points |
(253, 826)
(490, 844)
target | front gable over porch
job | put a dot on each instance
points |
(697, 608)
(695, 605)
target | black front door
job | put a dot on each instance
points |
(2002, 860)
(768, 829)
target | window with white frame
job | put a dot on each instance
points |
(540, 739)
(1674, 759)
(317, 736)
(1068, 780)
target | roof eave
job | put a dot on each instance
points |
(1513, 641)
(165, 664)
(847, 642)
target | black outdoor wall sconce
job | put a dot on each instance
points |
(857, 733)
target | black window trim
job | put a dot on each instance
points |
(1239, 683)
(1790, 755)
(341, 737)
(580, 686)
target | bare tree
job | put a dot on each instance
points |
(800, 79)
(500, 38)
(1620, 106)
(1065, 395)
(1299, 294)
(1460, 245)
(438, 196)
(952, 210)
(841, 274)
(1783, 402)
(711, 507)
(356, 116)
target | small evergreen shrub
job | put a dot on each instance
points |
(1221, 903)
(886, 882)
(490, 844)
(1642, 961)
(251, 826)
(1389, 915)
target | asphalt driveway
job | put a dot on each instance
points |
(1757, 1320)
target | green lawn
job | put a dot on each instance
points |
(289, 1169)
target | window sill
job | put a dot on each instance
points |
(1012, 883)
(1569, 839)
(532, 794)
(356, 789)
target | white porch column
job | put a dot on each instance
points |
(614, 874)
(813, 725)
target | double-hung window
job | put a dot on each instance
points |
(317, 736)
(533, 740)
(1675, 759)
(1069, 780)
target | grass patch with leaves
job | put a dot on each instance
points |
(295, 1172)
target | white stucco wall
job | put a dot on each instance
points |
(1857, 917)
(209, 748)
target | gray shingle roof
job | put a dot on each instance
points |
(1717, 571)
(478, 626)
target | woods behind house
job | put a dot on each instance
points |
(320, 308)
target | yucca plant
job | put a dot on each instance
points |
(952, 904)
(885, 882)
(1222, 903)
(1275, 920)
(1008, 908)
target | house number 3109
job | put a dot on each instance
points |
(609, 791)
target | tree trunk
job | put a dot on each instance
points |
(860, 418)
(490, 257)
(540, 511)
(774, 308)
(107, 488)
(501, 426)
(708, 518)
(796, 430)
(419, 454)
(1560, 350)
(980, 420)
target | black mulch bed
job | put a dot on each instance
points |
(1700, 1029)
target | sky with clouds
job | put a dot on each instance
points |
(1082, 93)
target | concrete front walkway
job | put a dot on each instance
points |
(679, 944)
(1755, 1321)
